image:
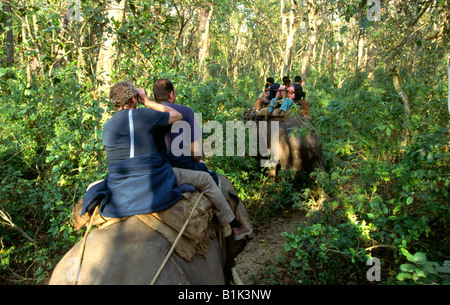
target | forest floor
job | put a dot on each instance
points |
(262, 254)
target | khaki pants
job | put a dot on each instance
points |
(305, 106)
(203, 182)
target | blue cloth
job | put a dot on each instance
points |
(96, 195)
(185, 188)
(287, 103)
(273, 104)
(139, 185)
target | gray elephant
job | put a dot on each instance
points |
(299, 145)
(130, 252)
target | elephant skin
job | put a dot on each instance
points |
(129, 252)
(299, 145)
(302, 151)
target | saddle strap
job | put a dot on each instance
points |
(176, 241)
(83, 245)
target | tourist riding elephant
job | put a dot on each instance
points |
(130, 252)
(299, 144)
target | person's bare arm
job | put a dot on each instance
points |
(144, 100)
(196, 150)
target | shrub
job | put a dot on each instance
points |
(385, 195)
(51, 150)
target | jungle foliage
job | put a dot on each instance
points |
(378, 92)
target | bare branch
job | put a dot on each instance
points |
(7, 221)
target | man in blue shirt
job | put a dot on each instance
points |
(188, 166)
(273, 87)
(184, 141)
(140, 180)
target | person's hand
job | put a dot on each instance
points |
(142, 95)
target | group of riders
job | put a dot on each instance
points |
(140, 139)
(281, 95)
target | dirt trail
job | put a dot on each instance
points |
(267, 245)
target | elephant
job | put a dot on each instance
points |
(299, 145)
(130, 252)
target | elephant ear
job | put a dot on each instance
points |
(233, 194)
(234, 201)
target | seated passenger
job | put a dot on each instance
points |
(281, 93)
(299, 93)
(272, 88)
(261, 101)
(300, 96)
(288, 101)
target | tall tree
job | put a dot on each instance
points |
(108, 51)
(6, 25)
(205, 16)
(446, 37)
(317, 14)
(290, 24)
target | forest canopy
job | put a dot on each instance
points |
(376, 75)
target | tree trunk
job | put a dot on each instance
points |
(291, 30)
(26, 57)
(446, 36)
(448, 76)
(398, 87)
(107, 54)
(8, 50)
(317, 21)
(205, 18)
(361, 44)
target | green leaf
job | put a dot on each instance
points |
(296, 264)
(39, 271)
(287, 247)
(408, 267)
(430, 267)
(404, 276)
(388, 132)
(419, 258)
(409, 200)
(407, 254)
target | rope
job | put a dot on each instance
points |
(236, 279)
(83, 245)
(176, 241)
